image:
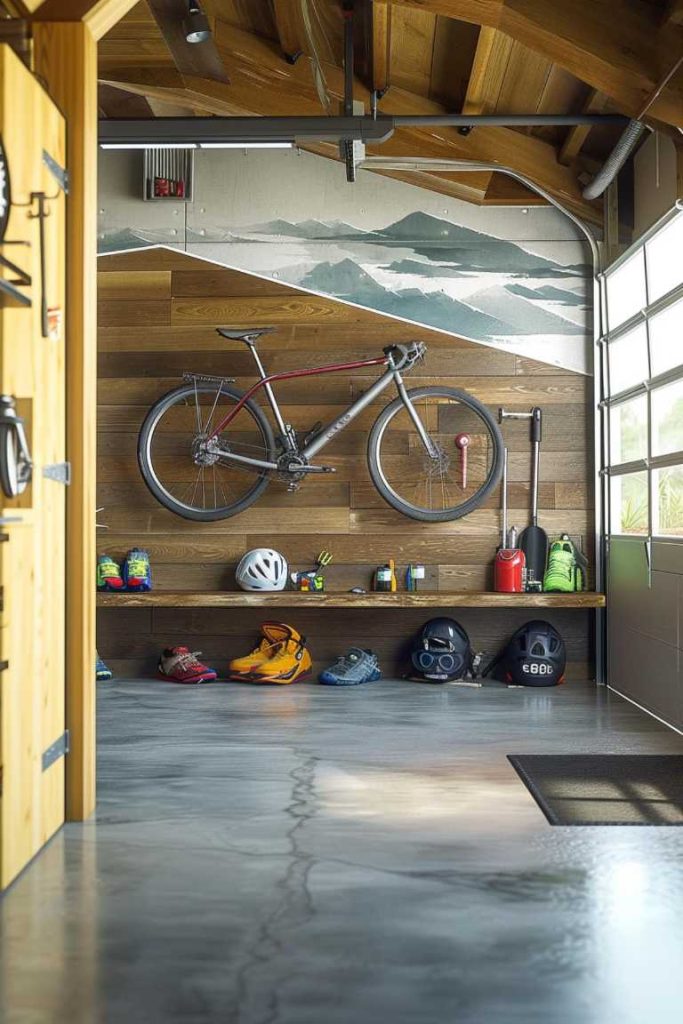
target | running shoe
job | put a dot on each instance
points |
(566, 567)
(102, 672)
(181, 665)
(355, 667)
(108, 574)
(137, 572)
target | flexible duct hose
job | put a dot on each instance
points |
(615, 161)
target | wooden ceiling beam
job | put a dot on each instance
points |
(576, 136)
(673, 13)
(490, 64)
(619, 47)
(290, 29)
(381, 46)
(262, 84)
(114, 102)
(190, 58)
(99, 15)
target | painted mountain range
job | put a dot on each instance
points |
(420, 268)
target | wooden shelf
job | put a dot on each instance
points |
(294, 599)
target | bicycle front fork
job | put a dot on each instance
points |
(429, 445)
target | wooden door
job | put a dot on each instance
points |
(32, 551)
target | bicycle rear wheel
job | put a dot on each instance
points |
(429, 487)
(177, 461)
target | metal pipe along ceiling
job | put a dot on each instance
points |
(615, 161)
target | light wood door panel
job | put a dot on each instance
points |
(32, 566)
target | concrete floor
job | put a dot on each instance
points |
(307, 855)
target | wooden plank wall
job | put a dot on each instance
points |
(157, 314)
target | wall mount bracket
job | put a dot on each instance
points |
(59, 173)
(60, 748)
(60, 472)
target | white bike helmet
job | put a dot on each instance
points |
(262, 569)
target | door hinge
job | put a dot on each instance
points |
(59, 471)
(59, 173)
(58, 749)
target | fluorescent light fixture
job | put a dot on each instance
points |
(196, 145)
(148, 145)
(246, 145)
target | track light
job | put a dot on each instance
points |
(196, 25)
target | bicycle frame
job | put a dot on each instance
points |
(326, 434)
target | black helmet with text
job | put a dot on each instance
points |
(534, 656)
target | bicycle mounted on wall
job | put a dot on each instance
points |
(207, 450)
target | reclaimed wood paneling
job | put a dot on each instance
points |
(140, 358)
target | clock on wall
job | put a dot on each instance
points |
(5, 199)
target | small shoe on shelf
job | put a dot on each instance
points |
(137, 571)
(353, 668)
(181, 665)
(102, 672)
(108, 574)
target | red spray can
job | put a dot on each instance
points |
(509, 564)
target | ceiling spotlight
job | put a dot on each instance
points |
(196, 25)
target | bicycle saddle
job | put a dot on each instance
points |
(249, 335)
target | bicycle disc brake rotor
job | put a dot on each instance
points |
(205, 450)
(439, 464)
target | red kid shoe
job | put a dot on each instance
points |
(181, 665)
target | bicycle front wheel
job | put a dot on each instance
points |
(433, 487)
(183, 466)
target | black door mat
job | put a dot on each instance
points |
(605, 789)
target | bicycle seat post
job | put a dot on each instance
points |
(249, 340)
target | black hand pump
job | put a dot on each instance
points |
(534, 540)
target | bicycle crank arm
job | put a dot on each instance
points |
(311, 469)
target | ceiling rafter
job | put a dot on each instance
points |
(576, 136)
(261, 83)
(190, 58)
(99, 15)
(490, 63)
(381, 46)
(289, 27)
(619, 47)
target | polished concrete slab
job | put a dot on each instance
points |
(307, 855)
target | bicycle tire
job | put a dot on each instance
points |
(494, 475)
(9, 469)
(151, 479)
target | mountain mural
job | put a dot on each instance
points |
(523, 292)
(420, 269)
(347, 281)
(548, 293)
(311, 229)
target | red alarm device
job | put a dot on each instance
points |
(508, 571)
(509, 563)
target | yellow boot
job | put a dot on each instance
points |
(289, 662)
(274, 635)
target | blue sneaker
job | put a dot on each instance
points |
(354, 667)
(137, 572)
(102, 672)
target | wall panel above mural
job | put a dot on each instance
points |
(513, 278)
